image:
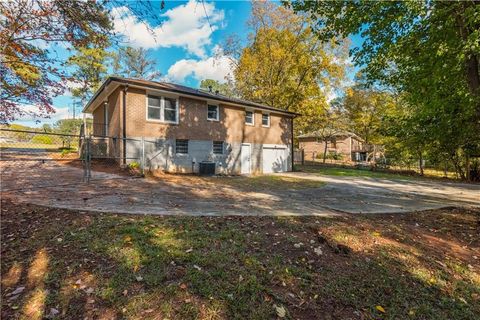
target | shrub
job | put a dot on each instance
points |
(43, 139)
(134, 165)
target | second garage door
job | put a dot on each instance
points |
(274, 159)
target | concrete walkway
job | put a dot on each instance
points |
(57, 185)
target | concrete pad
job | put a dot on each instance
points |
(57, 185)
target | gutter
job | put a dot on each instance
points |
(292, 148)
(124, 126)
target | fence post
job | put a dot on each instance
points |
(89, 159)
(143, 156)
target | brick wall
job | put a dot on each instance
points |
(341, 145)
(193, 123)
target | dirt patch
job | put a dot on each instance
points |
(79, 264)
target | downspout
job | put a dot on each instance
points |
(292, 150)
(124, 126)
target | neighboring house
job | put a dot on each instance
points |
(184, 127)
(347, 144)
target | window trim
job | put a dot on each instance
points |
(223, 147)
(218, 112)
(268, 115)
(253, 117)
(182, 153)
(162, 109)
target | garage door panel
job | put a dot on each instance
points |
(274, 160)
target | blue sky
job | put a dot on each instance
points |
(183, 46)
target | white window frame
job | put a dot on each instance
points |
(162, 109)
(268, 115)
(253, 118)
(218, 112)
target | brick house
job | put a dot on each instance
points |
(184, 127)
(347, 144)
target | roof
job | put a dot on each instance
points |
(330, 131)
(183, 90)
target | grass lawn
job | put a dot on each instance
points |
(346, 172)
(267, 182)
(75, 265)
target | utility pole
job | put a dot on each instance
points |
(74, 105)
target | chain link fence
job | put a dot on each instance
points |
(37, 159)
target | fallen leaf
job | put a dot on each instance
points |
(139, 278)
(281, 312)
(380, 308)
(16, 291)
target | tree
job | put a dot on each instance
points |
(31, 71)
(29, 74)
(284, 65)
(330, 124)
(426, 51)
(70, 128)
(135, 63)
(90, 70)
(365, 110)
(216, 86)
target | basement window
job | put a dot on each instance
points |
(217, 147)
(181, 146)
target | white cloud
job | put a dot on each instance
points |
(185, 26)
(216, 68)
(30, 119)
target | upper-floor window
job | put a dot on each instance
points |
(181, 146)
(162, 109)
(212, 112)
(265, 120)
(218, 147)
(249, 118)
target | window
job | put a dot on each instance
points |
(218, 147)
(154, 108)
(162, 109)
(249, 117)
(212, 113)
(265, 120)
(170, 110)
(181, 146)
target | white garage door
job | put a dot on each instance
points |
(274, 160)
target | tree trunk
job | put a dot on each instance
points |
(420, 160)
(467, 166)
(472, 60)
(325, 151)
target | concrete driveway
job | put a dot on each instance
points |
(59, 185)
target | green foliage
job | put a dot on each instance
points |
(284, 65)
(331, 155)
(90, 69)
(133, 165)
(66, 151)
(30, 72)
(426, 52)
(135, 63)
(222, 88)
(42, 139)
